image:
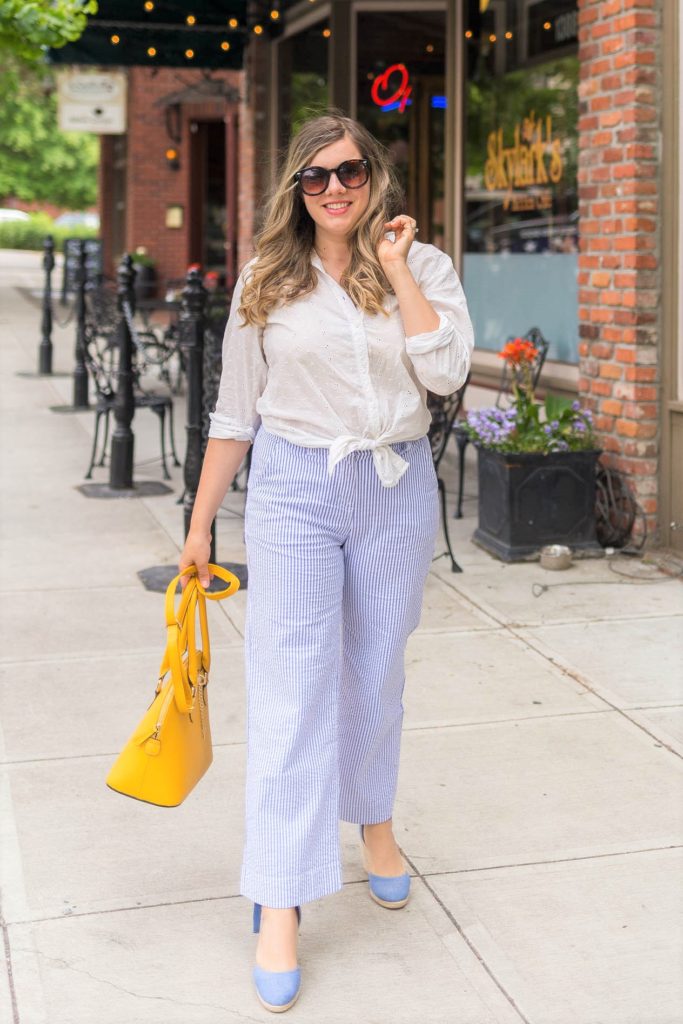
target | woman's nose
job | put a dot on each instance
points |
(335, 184)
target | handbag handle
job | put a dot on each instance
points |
(181, 631)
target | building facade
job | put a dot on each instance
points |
(537, 142)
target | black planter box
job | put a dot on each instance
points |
(527, 500)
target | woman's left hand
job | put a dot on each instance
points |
(391, 253)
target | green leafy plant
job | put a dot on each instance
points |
(30, 234)
(37, 160)
(26, 29)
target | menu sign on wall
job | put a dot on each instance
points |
(522, 169)
(89, 101)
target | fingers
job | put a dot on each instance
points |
(182, 565)
(402, 222)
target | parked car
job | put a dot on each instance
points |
(491, 228)
(78, 220)
(7, 215)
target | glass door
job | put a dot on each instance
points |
(400, 90)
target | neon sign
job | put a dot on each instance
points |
(392, 97)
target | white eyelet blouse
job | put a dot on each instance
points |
(321, 373)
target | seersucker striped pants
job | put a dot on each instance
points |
(337, 566)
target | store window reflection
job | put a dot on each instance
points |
(521, 208)
(400, 98)
(302, 78)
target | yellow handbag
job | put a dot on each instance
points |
(171, 749)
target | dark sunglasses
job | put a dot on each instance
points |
(350, 174)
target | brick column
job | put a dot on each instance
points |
(620, 210)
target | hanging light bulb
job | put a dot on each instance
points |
(189, 54)
(151, 51)
(115, 40)
(233, 22)
(258, 30)
(190, 19)
(225, 45)
(149, 6)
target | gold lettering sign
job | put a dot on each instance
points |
(534, 159)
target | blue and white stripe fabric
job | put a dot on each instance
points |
(337, 565)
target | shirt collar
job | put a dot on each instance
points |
(316, 261)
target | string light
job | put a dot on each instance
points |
(274, 14)
(225, 45)
(189, 54)
(546, 25)
(151, 52)
(258, 29)
(190, 19)
(327, 32)
(233, 23)
(429, 48)
(492, 37)
(468, 34)
(115, 40)
(508, 35)
(149, 6)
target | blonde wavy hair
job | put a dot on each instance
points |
(282, 270)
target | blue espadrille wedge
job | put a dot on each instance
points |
(277, 990)
(391, 891)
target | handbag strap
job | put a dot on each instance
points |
(181, 631)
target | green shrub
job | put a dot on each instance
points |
(30, 234)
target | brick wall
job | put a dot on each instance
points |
(620, 209)
(151, 185)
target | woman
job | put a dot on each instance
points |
(338, 327)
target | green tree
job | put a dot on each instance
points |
(26, 29)
(37, 160)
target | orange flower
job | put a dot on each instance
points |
(519, 351)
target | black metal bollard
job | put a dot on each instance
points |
(123, 440)
(80, 369)
(192, 323)
(45, 347)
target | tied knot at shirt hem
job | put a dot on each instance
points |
(389, 465)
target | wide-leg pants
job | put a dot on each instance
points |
(337, 566)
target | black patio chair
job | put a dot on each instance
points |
(504, 391)
(101, 353)
(444, 410)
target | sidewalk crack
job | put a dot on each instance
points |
(67, 965)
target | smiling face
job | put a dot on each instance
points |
(337, 210)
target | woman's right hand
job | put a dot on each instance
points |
(197, 551)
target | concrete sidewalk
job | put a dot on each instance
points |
(539, 802)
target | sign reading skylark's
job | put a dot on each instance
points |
(533, 159)
(90, 101)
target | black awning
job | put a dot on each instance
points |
(128, 33)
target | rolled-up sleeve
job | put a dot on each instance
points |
(442, 357)
(243, 376)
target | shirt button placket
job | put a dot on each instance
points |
(363, 355)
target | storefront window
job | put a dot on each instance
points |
(401, 100)
(521, 208)
(302, 74)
